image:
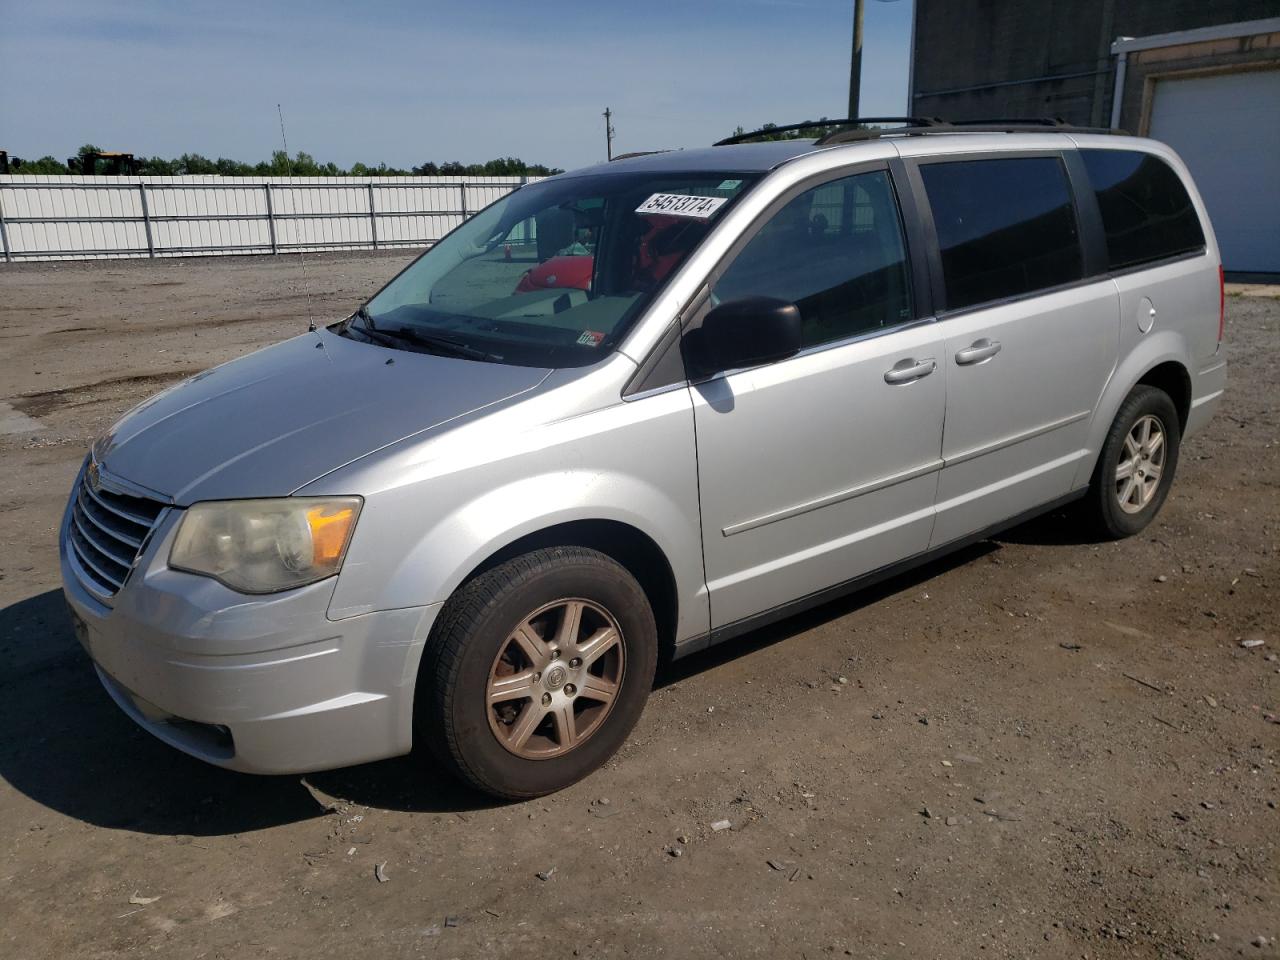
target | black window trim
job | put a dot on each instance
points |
(644, 383)
(921, 296)
(1085, 190)
(1088, 230)
(1093, 239)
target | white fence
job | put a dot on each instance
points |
(77, 218)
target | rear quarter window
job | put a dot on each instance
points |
(1146, 212)
(1006, 227)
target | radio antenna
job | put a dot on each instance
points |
(302, 253)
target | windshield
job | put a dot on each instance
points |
(553, 274)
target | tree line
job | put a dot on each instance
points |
(281, 164)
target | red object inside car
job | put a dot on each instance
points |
(660, 248)
(570, 273)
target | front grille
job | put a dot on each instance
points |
(107, 532)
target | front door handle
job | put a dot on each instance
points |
(978, 351)
(904, 371)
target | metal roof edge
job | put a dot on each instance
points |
(1220, 31)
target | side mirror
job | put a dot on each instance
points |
(742, 333)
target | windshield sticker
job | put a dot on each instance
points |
(590, 338)
(682, 205)
(729, 185)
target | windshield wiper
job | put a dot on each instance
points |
(366, 322)
(445, 346)
(430, 342)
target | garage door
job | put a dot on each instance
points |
(1225, 128)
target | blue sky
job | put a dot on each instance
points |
(404, 82)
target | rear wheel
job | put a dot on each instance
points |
(1137, 463)
(537, 671)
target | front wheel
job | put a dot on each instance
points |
(537, 671)
(1136, 466)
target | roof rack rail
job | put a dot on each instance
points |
(1031, 125)
(636, 153)
(809, 124)
(1031, 121)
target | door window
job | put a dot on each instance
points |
(1006, 227)
(1146, 212)
(835, 251)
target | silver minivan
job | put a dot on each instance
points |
(631, 411)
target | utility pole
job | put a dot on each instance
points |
(855, 60)
(608, 132)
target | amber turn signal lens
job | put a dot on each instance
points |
(330, 529)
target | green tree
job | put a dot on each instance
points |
(45, 166)
(193, 164)
(157, 167)
(281, 164)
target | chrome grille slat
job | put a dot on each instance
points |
(85, 557)
(133, 543)
(120, 510)
(124, 557)
(106, 533)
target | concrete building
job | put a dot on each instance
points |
(1201, 76)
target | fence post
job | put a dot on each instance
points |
(146, 219)
(4, 236)
(271, 219)
(373, 218)
(462, 188)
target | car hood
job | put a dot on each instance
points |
(273, 421)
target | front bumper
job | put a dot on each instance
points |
(256, 684)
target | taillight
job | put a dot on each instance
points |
(1222, 303)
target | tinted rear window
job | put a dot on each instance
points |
(1146, 212)
(1006, 227)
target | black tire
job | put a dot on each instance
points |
(452, 712)
(1102, 504)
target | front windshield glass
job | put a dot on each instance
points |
(553, 274)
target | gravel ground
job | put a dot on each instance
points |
(1041, 746)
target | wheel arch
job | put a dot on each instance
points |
(1160, 360)
(1174, 379)
(632, 548)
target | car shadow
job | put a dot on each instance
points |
(1059, 528)
(678, 670)
(70, 749)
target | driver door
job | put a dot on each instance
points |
(822, 467)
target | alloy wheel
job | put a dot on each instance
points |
(555, 679)
(1141, 464)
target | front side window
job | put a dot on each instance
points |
(1146, 212)
(553, 274)
(1006, 227)
(837, 252)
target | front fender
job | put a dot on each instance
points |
(436, 511)
(468, 535)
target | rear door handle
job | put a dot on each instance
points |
(978, 351)
(904, 371)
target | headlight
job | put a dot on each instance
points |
(264, 546)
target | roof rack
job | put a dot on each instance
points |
(917, 126)
(809, 124)
(636, 153)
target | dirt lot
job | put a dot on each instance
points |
(1040, 747)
